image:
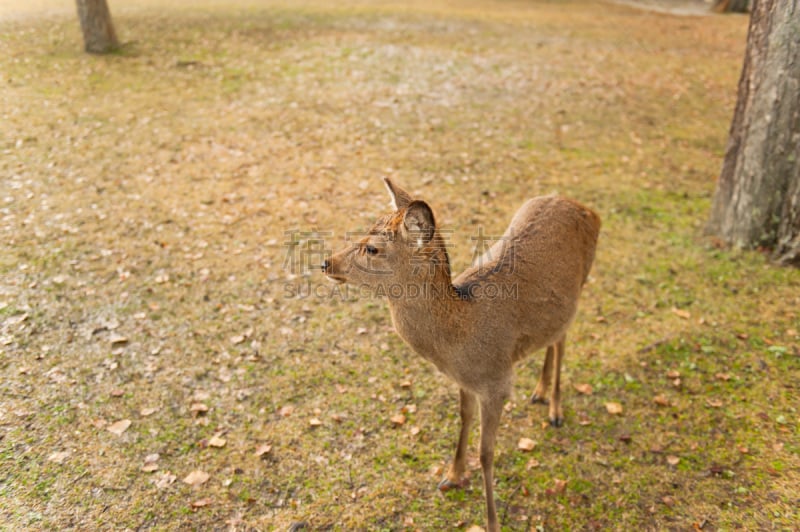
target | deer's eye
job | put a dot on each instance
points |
(371, 250)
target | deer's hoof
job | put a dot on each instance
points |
(557, 422)
(446, 484)
(538, 399)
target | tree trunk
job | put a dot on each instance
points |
(757, 202)
(99, 36)
(731, 6)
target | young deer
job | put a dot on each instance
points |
(519, 297)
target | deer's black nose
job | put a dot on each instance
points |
(326, 265)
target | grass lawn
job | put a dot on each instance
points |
(162, 314)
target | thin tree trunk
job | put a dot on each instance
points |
(757, 202)
(731, 6)
(99, 36)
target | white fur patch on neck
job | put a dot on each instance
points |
(419, 242)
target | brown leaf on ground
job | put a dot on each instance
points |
(198, 409)
(398, 419)
(196, 478)
(149, 468)
(118, 340)
(217, 441)
(660, 400)
(263, 449)
(164, 480)
(673, 460)
(685, 314)
(526, 444)
(613, 408)
(200, 503)
(585, 389)
(119, 427)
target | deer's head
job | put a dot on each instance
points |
(402, 248)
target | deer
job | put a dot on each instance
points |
(520, 296)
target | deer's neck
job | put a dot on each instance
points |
(430, 316)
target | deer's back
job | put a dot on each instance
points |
(528, 282)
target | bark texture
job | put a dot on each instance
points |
(757, 202)
(99, 36)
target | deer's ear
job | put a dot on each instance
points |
(400, 198)
(419, 222)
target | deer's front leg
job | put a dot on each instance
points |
(456, 474)
(491, 410)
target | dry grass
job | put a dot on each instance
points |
(148, 195)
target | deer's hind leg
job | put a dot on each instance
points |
(556, 413)
(540, 393)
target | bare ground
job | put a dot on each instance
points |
(148, 199)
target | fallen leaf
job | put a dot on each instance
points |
(559, 486)
(149, 468)
(409, 409)
(673, 460)
(315, 422)
(238, 339)
(475, 528)
(533, 462)
(361, 330)
(117, 393)
(286, 411)
(200, 503)
(119, 427)
(196, 478)
(405, 384)
(526, 444)
(144, 412)
(585, 389)
(263, 449)
(660, 400)
(217, 441)
(118, 340)
(165, 479)
(673, 374)
(722, 377)
(151, 458)
(669, 501)
(414, 431)
(58, 457)
(398, 419)
(714, 403)
(685, 314)
(198, 409)
(614, 408)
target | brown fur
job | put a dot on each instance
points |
(542, 261)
